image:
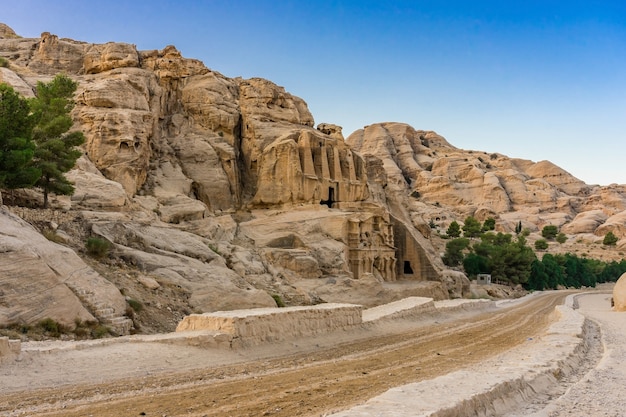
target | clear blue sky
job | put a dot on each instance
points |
(530, 79)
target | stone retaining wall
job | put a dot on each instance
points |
(262, 325)
(9, 349)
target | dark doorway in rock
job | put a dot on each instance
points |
(407, 268)
(331, 198)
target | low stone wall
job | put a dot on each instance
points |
(407, 307)
(9, 349)
(262, 325)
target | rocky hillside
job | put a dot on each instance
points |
(217, 193)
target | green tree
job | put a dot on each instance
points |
(489, 224)
(541, 244)
(56, 151)
(474, 264)
(549, 232)
(454, 230)
(538, 279)
(512, 262)
(454, 251)
(518, 228)
(16, 147)
(553, 270)
(561, 238)
(471, 227)
(609, 239)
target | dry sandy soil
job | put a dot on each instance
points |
(599, 389)
(309, 377)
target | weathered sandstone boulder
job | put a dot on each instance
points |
(94, 192)
(11, 78)
(615, 224)
(619, 294)
(186, 260)
(585, 222)
(100, 58)
(41, 279)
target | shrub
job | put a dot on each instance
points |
(99, 332)
(489, 224)
(4, 62)
(51, 326)
(97, 247)
(609, 239)
(549, 232)
(278, 299)
(52, 236)
(135, 305)
(561, 238)
(541, 244)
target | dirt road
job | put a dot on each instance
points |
(313, 383)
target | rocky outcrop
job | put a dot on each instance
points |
(41, 279)
(446, 183)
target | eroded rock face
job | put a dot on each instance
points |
(40, 279)
(461, 183)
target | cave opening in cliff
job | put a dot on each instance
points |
(331, 198)
(407, 268)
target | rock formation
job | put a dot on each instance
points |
(225, 190)
(41, 279)
(619, 294)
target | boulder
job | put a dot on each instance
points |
(94, 192)
(19, 85)
(619, 294)
(585, 222)
(40, 279)
(615, 224)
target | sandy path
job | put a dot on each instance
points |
(312, 378)
(600, 391)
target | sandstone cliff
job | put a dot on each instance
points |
(222, 193)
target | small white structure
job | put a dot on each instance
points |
(483, 279)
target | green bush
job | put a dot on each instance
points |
(135, 305)
(99, 332)
(278, 299)
(51, 327)
(4, 62)
(549, 232)
(561, 238)
(541, 244)
(97, 247)
(609, 239)
(489, 224)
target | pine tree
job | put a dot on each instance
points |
(471, 227)
(16, 145)
(454, 230)
(56, 151)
